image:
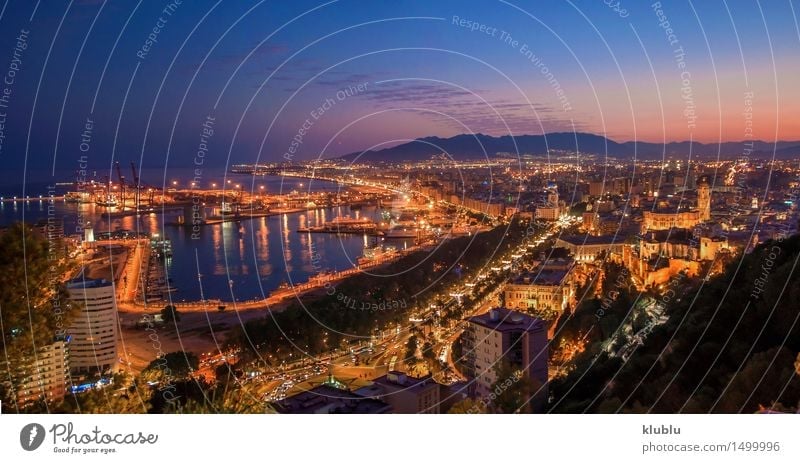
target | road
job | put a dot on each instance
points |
(391, 348)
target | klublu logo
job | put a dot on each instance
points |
(31, 436)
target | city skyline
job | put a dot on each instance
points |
(550, 209)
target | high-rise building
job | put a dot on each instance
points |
(43, 376)
(503, 335)
(93, 347)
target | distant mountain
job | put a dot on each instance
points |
(480, 146)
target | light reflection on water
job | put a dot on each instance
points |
(265, 250)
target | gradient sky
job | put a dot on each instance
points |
(260, 68)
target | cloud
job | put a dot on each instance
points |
(463, 110)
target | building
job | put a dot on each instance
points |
(93, 348)
(616, 186)
(585, 248)
(405, 394)
(44, 377)
(665, 218)
(670, 218)
(503, 335)
(676, 243)
(550, 213)
(553, 208)
(711, 247)
(546, 292)
(51, 229)
(657, 270)
(596, 188)
(327, 399)
(491, 208)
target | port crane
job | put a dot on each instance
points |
(137, 192)
(121, 179)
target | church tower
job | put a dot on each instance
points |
(704, 197)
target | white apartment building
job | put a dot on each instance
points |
(93, 345)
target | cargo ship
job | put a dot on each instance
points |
(344, 224)
(81, 197)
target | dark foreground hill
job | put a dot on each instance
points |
(730, 345)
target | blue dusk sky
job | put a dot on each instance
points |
(343, 76)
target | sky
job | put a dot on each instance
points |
(302, 79)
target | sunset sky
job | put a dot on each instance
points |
(261, 68)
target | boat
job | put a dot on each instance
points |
(107, 202)
(406, 229)
(401, 232)
(81, 197)
(228, 208)
(344, 224)
(161, 248)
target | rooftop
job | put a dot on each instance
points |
(579, 240)
(398, 380)
(672, 235)
(669, 210)
(549, 277)
(80, 282)
(502, 319)
(326, 399)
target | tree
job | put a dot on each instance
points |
(427, 351)
(172, 365)
(35, 308)
(226, 399)
(467, 407)
(411, 348)
(513, 391)
(170, 313)
(702, 359)
(125, 394)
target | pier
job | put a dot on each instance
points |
(29, 199)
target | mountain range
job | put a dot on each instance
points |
(480, 146)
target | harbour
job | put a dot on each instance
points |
(242, 255)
